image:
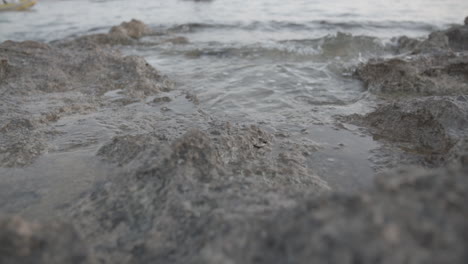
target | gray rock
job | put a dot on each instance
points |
(23, 242)
(413, 216)
(430, 126)
(181, 195)
(438, 74)
(76, 67)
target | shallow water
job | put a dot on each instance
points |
(281, 64)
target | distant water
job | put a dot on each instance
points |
(52, 19)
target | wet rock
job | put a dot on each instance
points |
(127, 33)
(20, 142)
(4, 69)
(458, 37)
(182, 195)
(439, 74)
(431, 125)
(436, 42)
(413, 216)
(134, 29)
(346, 45)
(405, 44)
(26, 242)
(453, 39)
(40, 68)
(124, 149)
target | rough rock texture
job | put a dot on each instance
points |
(431, 125)
(52, 243)
(426, 127)
(41, 83)
(85, 69)
(20, 142)
(124, 149)
(438, 74)
(458, 37)
(126, 33)
(454, 39)
(413, 216)
(184, 194)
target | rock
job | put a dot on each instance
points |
(405, 44)
(124, 149)
(181, 195)
(413, 216)
(455, 38)
(20, 142)
(436, 42)
(345, 45)
(431, 125)
(127, 33)
(458, 37)
(23, 242)
(4, 69)
(73, 67)
(439, 74)
(134, 29)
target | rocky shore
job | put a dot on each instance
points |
(189, 188)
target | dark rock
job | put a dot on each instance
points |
(429, 126)
(439, 74)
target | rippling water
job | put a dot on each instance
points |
(285, 64)
(263, 59)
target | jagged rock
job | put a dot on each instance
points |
(126, 33)
(452, 39)
(91, 71)
(439, 74)
(182, 195)
(124, 149)
(431, 125)
(134, 29)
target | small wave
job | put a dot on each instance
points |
(275, 25)
(341, 45)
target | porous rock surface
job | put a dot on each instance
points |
(423, 104)
(181, 195)
(437, 74)
(454, 39)
(430, 124)
(435, 66)
(87, 69)
(41, 83)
